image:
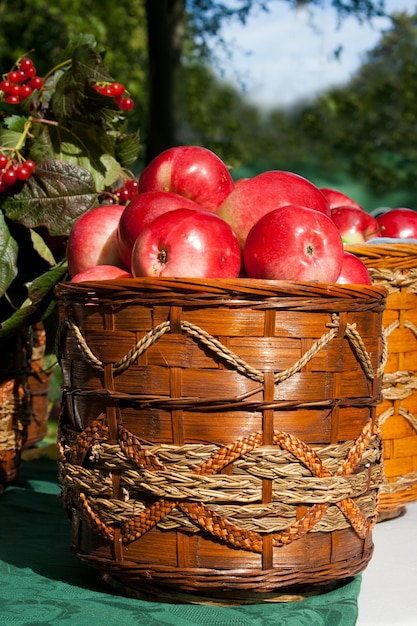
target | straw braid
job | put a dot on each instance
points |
(411, 419)
(222, 351)
(206, 517)
(129, 447)
(395, 279)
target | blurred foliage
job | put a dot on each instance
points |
(207, 18)
(368, 127)
(362, 132)
(47, 27)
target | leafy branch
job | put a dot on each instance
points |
(78, 139)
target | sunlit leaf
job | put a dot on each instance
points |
(85, 145)
(9, 138)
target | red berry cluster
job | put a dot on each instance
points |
(11, 171)
(127, 191)
(116, 91)
(19, 83)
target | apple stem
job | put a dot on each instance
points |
(375, 232)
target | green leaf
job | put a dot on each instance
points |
(127, 149)
(113, 171)
(41, 248)
(9, 138)
(56, 194)
(40, 295)
(85, 145)
(15, 122)
(86, 69)
(8, 254)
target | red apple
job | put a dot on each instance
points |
(140, 211)
(398, 223)
(187, 243)
(92, 240)
(354, 271)
(355, 225)
(294, 243)
(191, 171)
(337, 198)
(100, 272)
(255, 197)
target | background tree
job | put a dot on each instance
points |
(367, 127)
(151, 46)
(204, 19)
(164, 51)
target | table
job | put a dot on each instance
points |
(42, 582)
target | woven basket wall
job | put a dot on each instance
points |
(394, 266)
(38, 384)
(14, 404)
(221, 436)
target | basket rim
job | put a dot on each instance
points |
(394, 251)
(237, 287)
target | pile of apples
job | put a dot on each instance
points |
(191, 219)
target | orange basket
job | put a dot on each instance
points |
(220, 436)
(394, 266)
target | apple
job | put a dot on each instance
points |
(399, 223)
(100, 272)
(355, 225)
(92, 239)
(337, 198)
(294, 243)
(140, 211)
(255, 197)
(354, 271)
(187, 243)
(191, 171)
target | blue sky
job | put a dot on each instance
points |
(283, 56)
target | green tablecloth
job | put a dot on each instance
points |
(42, 582)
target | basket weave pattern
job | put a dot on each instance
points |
(14, 405)
(221, 434)
(394, 266)
(38, 384)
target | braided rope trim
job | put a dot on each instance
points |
(222, 488)
(210, 519)
(394, 279)
(407, 380)
(411, 419)
(396, 324)
(402, 483)
(229, 356)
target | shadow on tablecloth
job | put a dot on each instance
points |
(42, 582)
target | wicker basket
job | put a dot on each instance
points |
(14, 404)
(394, 266)
(221, 436)
(38, 385)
